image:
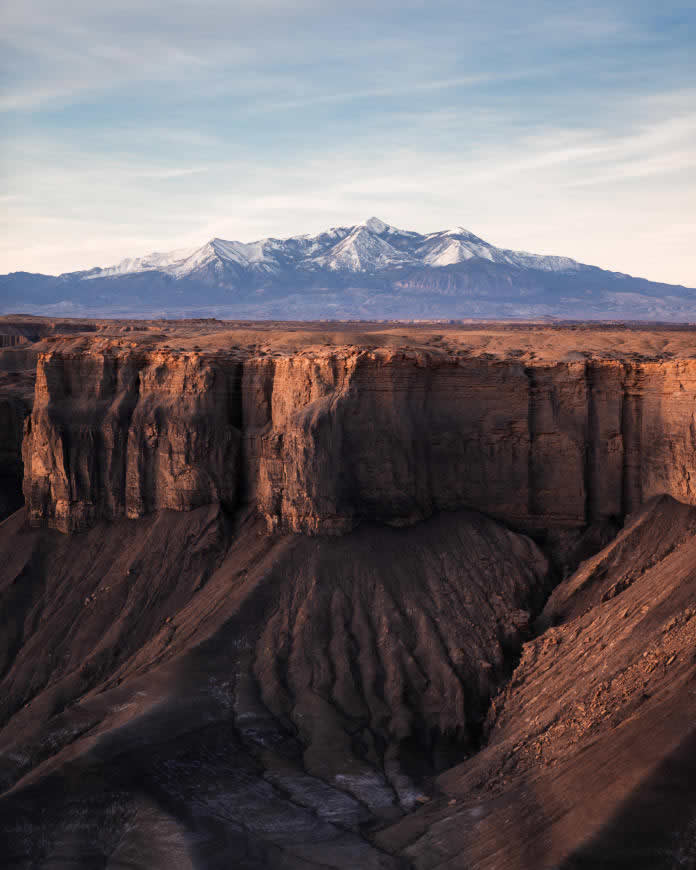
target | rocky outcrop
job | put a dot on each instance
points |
(119, 433)
(19, 339)
(17, 367)
(321, 441)
(12, 414)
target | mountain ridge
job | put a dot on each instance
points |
(364, 271)
(439, 248)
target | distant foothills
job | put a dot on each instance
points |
(369, 271)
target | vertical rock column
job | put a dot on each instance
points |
(631, 432)
(605, 443)
(74, 449)
(12, 414)
(184, 436)
(557, 419)
(118, 432)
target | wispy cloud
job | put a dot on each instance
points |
(131, 127)
(404, 86)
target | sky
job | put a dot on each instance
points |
(555, 127)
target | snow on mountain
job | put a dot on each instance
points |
(255, 255)
(454, 246)
(148, 263)
(370, 247)
(458, 245)
(536, 261)
(195, 260)
(375, 225)
(370, 270)
(363, 250)
(185, 262)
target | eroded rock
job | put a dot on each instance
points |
(318, 442)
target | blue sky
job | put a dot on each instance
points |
(565, 128)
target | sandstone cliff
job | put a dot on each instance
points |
(319, 441)
(17, 367)
(12, 414)
(129, 433)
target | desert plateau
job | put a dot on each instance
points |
(347, 595)
(347, 435)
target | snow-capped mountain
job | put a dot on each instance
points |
(368, 247)
(370, 270)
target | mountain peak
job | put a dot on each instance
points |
(373, 246)
(463, 233)
(375, 225)
(363, 270)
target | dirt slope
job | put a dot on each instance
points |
(221, 697)
(590, 760)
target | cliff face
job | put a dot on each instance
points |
(394, 437)
(17, 366)
(120, 433)
(12, 414)
(319, 441)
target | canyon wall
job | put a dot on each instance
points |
(115, 434)
(12, 415)
(319, 441)
(17, 369)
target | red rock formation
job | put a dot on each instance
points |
(117, 433)
(186, 690)
(12, 414)
(320, 441)
(17, 364)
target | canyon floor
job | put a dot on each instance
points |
(347, 595)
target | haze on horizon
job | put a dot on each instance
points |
(559, 130)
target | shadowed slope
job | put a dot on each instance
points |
(582, 739)
(244, 698)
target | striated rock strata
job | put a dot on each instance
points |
(319, 441)
(126, 434)
(12, 414)
(17, 365)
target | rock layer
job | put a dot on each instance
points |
(17, 367)
(115, 434)
(12, 414)
(318, 442)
